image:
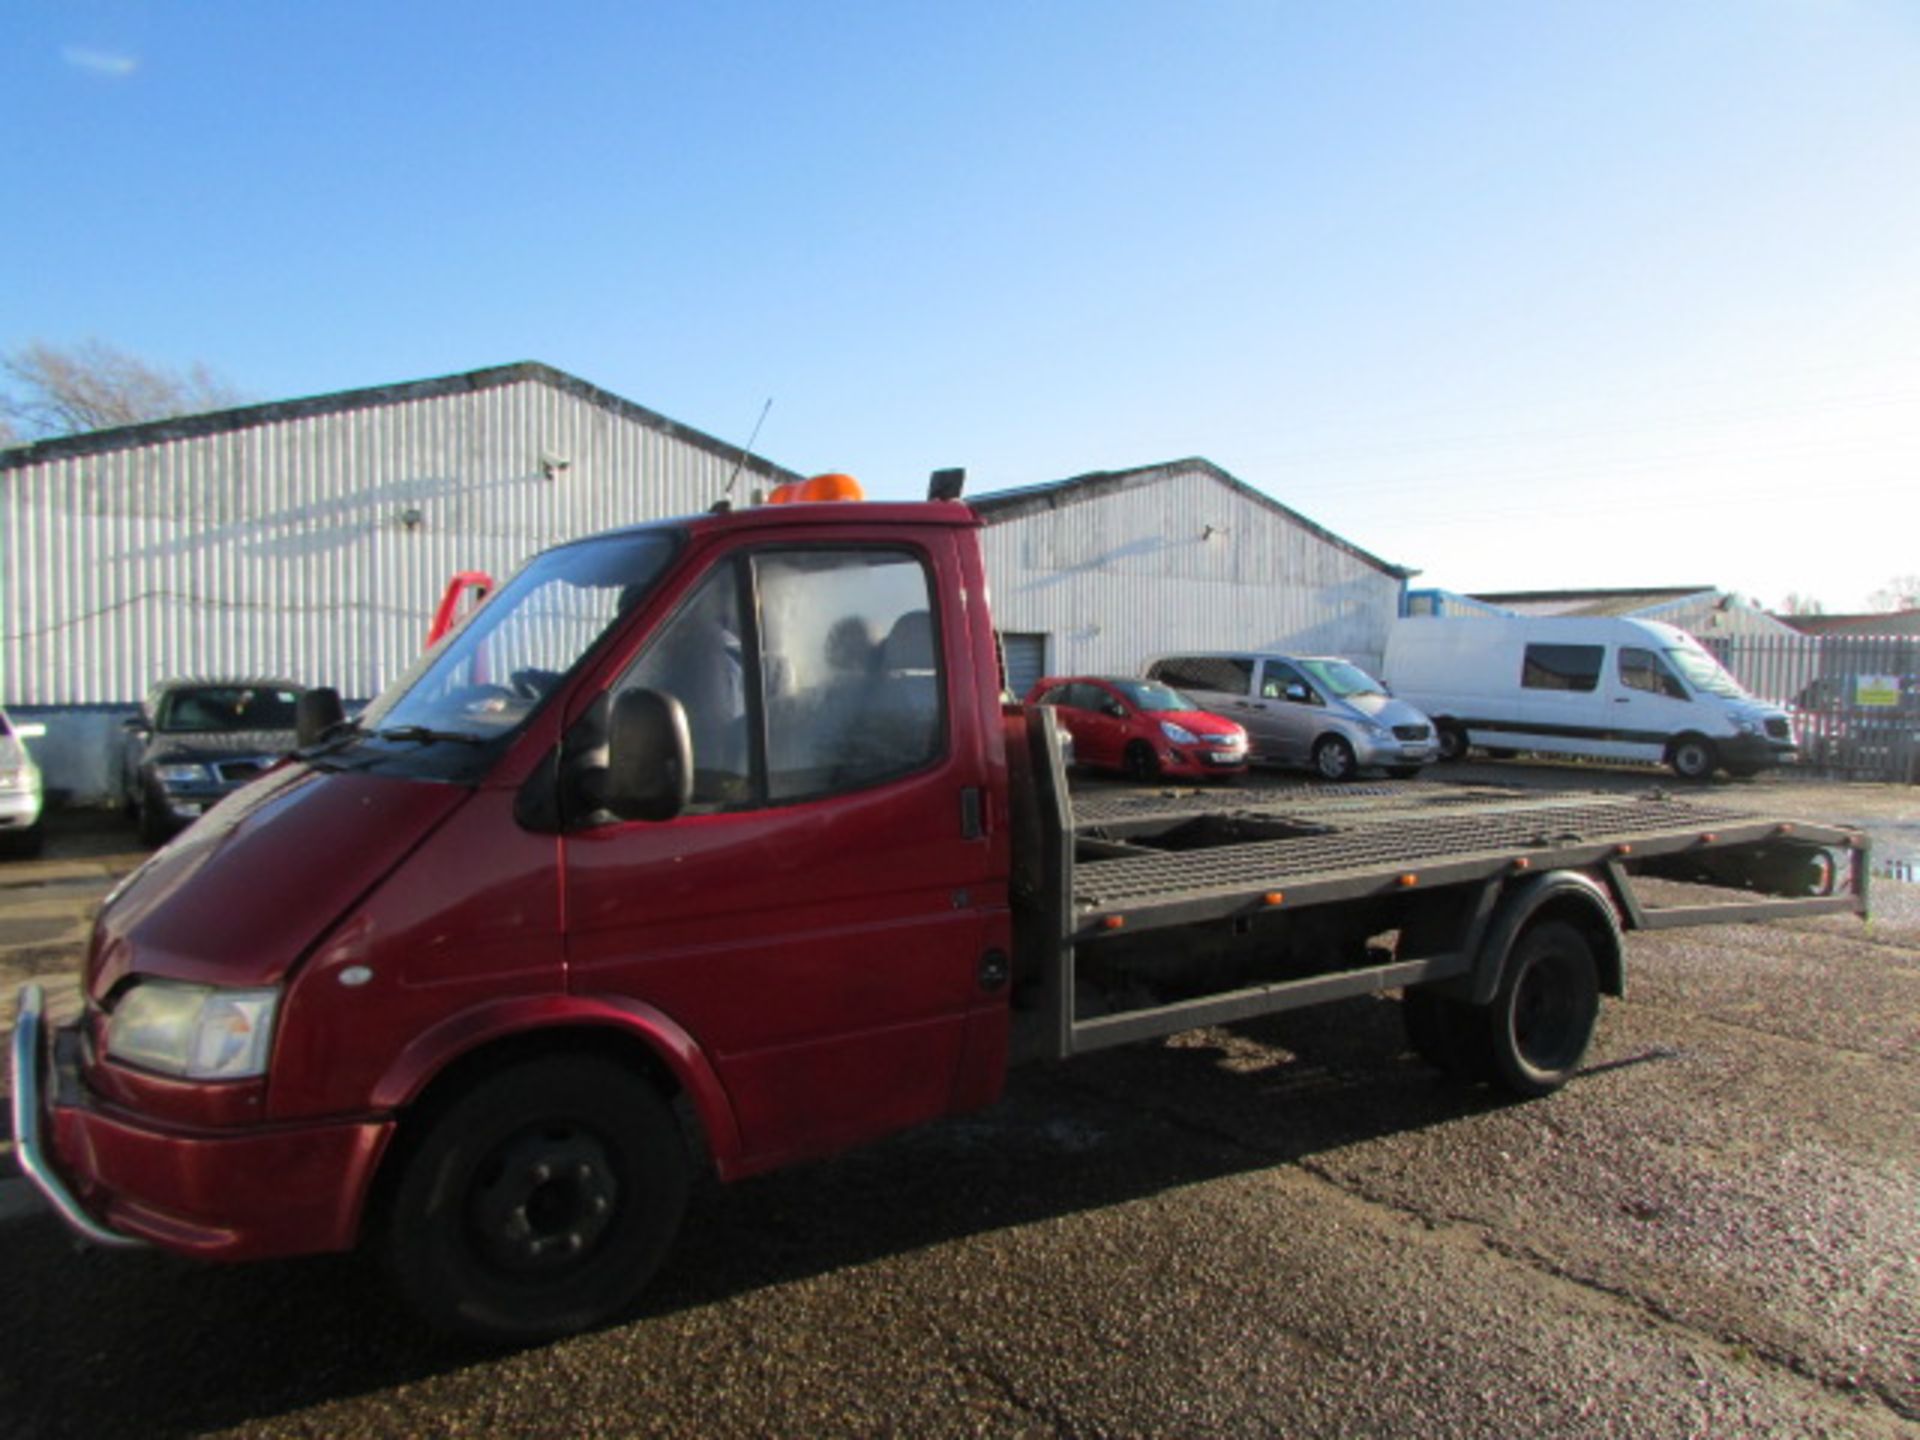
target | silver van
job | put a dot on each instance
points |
(1315, 710)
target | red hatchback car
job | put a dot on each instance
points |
(1141, 727)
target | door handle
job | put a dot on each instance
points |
(973, 812)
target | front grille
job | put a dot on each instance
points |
(234, 772)
(1412, 732)
(1778, 729)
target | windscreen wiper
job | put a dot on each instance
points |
(425, 735)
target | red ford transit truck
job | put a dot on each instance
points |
(714, 843)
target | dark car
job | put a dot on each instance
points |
(197, 741)
(1141, 727)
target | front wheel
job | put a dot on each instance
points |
(539, 1202)
(1452, 741)
(1141, 763)
(1692, 758)
(1333, 758)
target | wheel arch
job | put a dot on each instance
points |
(446, 1060)
(1572, 896)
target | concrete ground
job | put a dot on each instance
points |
(1289, 1227)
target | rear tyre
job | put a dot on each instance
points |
(1692, 758)
(1333, 758)
(538, 1203)
(1141, 763)
(1452, 742)
(1544, 1012)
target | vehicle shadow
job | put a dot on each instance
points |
(93, 1343)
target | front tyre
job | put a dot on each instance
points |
(1333, 758)
(539, 1202)
(1692, 758)
(1452, 742)
(1140, 763)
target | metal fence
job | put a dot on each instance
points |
(1855, 699)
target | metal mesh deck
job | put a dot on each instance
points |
(1384, 831)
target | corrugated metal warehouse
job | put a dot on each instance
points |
(308, 539)
(311, 539)
(1097, 574)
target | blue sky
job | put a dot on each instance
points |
(1520, 294)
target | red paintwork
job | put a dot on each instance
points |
(240, 1195)
(809, 973)
(1101, 740)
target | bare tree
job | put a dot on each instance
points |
(1900, 593)
(64, 389)
(1798, 604)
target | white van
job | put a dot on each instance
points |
(1613, 689)
(1315, 710)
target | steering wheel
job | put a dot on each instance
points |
(531, 684)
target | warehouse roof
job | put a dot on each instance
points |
(1005, 505)
(218, 422)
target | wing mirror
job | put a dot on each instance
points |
(315, 713)
(649, 757)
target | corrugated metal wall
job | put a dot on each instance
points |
(1185, 563)
(309, 547)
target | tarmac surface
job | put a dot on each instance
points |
(1289, 1227)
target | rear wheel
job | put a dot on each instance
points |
(1452, 741)
(1333, 758)
(1544, 1012)
(1141, 763)
(539, 1202)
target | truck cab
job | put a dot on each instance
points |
(720, 803)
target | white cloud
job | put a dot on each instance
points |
(99, 62)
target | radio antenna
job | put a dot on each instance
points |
(726, 495)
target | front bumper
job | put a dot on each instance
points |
(1372, 750)
(230, 1195)
(1203, 759)
(1754, 750)
(19, 809)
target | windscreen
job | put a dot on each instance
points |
(1705, 673)
(1147, 695)
(485, 678)
(1341, 680)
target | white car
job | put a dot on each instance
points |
(20, 790)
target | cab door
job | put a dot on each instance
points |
(817, 920)
(1649, 705)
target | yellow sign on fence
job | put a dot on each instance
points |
(1876, 690)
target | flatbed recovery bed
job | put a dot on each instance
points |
(1289, 896)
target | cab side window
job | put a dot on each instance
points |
(802, 673)
(1643, 670)
(851, 668)
(1275, 679)
(699, 658)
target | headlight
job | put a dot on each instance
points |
(195, 1031)
(1747, 727)
(181, 774)
(1377, 730)
(1179, 734)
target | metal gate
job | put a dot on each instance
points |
(1854, 699)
